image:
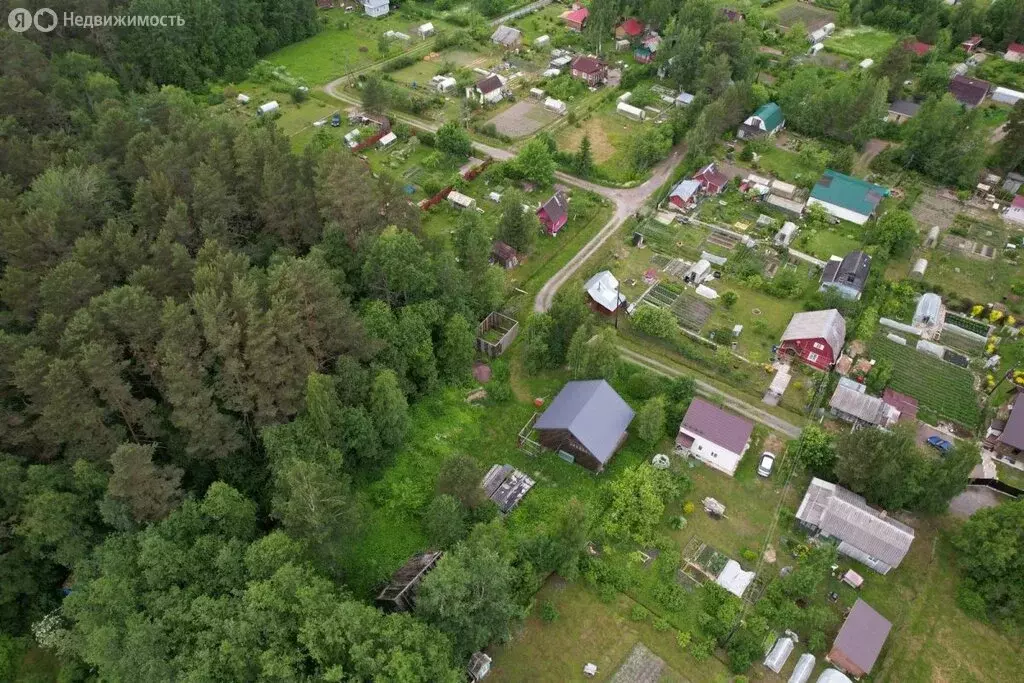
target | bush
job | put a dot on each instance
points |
(677, 522)
(639, 613)
(701, 648)
(548, 612)
(300, 95)
(749, 555)
(607, 593)
(688, 507)
(661, 625)
(683, 639)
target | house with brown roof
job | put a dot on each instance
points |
(504, 255)
(907, 405)
(1009, 434)
(590, 70)
(712, 181)
(860, 640)
(490, 89)
(971, 44)
(867, 535)
(970, 92)
(554, 213)
(714, 436)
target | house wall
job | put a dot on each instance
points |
(803, 348)
(562, 440)
(713, 455)
(374, 8)
(492, 97)
(840, 212)
(842, 661)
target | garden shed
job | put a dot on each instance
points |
(495, 334)
(400, 593)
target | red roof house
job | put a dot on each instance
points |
(631, 28)
(1014, 52)
(907, 405)
(815, 337)
(917, 47)
(576, 19)
(589, 69)
(712, 181)
(971, 44)
(554, 213)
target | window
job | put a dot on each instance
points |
(819, 347)
(812, 357)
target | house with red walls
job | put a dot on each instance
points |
(815, 337)
(554, 213)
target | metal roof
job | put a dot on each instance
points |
(1013, 432)
(846, 516)
(506, 35)
(904, 107)
(771, 114)
(848, 192)
(718, 426)
(969, 91)
(603, 288)
(860, 405)
(862, 636)
(593, 413)
(851, 270)
(828, 325)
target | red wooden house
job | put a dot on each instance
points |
(712, 181)
(576, 18)
(630, 29)
(815, 337)
(554, 213)
(590, 70)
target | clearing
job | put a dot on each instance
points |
(791, 11)
(523, 118)
(862, 42)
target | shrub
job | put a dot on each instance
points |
(677, 522)
(687, 507)
(701, 649)
(749, 555)
(661, 625)
(639, 613)
(548, 612)
(606, 593)
(683, 639)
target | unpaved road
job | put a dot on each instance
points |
(737, 405)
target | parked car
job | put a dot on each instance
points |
(764, 467)
(940, 444)
(336, 120)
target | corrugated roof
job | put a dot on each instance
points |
(771, 114)
(828, 325)
(506, 35)
(593, 413)
(850, 193)
(904, 107)
(587, 65)
(685, 189)
(852, 270)
(969, 91)
(1013, 432)
(846, 516)
(870, 409)
(603, 288)
(862, 636)
(718, 426)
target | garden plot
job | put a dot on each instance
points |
(792, 11)
(955, 243)
(723, 240)
(523, 118)
(943, 389)
(691, 312)
(861, 42)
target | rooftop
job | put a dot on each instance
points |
(848, 192)
(862, 636)
(771, 114)
(870, 409)
(718, 426)
(587, 65)
(969, 91)
(632, 27)
(593, 413)
(851, 270)
(904, 107)
(1013, 432)
(489, 84)
(556, 208)
(828, 325)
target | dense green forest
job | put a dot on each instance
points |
(205, 337)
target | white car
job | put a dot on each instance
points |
(764, 468)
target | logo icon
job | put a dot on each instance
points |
(20, 19)
(45, 19)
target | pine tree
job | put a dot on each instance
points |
(583, 162)
(455, 355)
(149, 491)
(389, 409)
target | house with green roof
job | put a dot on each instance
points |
(847, 198)
(767, 120)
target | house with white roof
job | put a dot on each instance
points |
(603, 290)
(376, 8)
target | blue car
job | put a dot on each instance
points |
(940, 444)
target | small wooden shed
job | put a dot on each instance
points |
(400, 593)
(495, 334)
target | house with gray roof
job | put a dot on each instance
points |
(508, 37)
(865, 534)
(847, 275)
(585, 424)
(901, 111)
(860, 640)
(853, 404)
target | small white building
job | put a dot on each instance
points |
(443, 84)
(561, 61)
(551, 73)
(784, 237)
(376, 8)
(867, 63)
(542, 41)
(630, 112)
(684, 99)
(242, 98)
(537, 93)
(733, 579)
(699, 272)
(461, 201)
(425, 30)
(388, 140)
(815, 49)
(556, 106)
(397, 35)
(714, 436)
(268, 108)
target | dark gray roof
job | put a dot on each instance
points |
(904, 107)
(557, 207)
(969, 91)
(862, 636)
(593, 413)
(506, 486)
(852, 271)
(1013, 432)
(489, 84)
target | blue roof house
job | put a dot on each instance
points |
(585, 424)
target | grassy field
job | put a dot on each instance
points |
(347, 43)
(422, 71)
(764, 318)
(608, 134)
(862, 42)
(789, 167)
(977, 279)
(942, 389)
(825, 243)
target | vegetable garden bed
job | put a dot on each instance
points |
(969, 324)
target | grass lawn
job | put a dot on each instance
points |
(998, 70)
(862, 42)
(789, 167)
(609, 133)
(423, 70)
(764, 318)
(942, 389)
(1010, 475)
(347, 43)
(546, 21)
(976, 279)
(825, 243)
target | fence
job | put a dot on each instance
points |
(496, 322)
(437, 198)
